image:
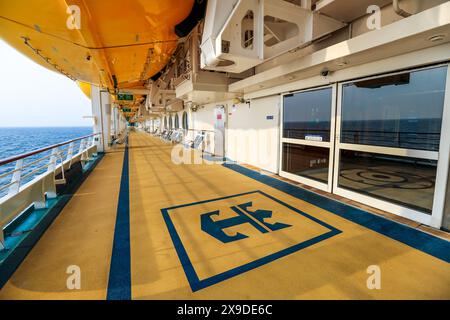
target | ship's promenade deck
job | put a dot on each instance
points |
(143, 227)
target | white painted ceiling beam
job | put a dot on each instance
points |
(400, 37)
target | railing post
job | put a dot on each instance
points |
(51, 189)
(70, 151)
(70, 154)
(82, 146)
(53, 158)
(2, 239)
(94, 153)
(15, 179)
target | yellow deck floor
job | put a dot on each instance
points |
(333, 268)
(81, 235)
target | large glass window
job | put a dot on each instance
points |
(409, 182)
(307, 115)
(399, 111)
(177, 122)
(185, 121)
(307, 161)
(307, 136)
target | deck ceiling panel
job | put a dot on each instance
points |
(391, 40)
(347, 10)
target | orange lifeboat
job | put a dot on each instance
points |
(111, 43)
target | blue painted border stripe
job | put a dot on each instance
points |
(263, 261)
(434, 246)
(189, 270)
(119, 284)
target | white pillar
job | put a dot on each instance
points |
(122, 123)
(101, 110)
(116, 122)
(106, 111)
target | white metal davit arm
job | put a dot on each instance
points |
(241, 34)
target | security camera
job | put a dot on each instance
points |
(325, 72)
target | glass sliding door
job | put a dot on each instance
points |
(307, 140)
(388, 139)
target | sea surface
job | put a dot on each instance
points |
(15, 141)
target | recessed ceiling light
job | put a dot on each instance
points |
(436, 38)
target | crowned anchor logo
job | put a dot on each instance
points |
(245, 215)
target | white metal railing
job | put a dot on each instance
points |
(33, 177)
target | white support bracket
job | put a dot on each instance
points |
(16, 177)
(59, 155)
(51, 193)
(241, 34)
(53, 158)
(82, 146)
(70, 154)
(2, 239)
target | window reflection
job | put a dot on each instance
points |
(406, 181)
(306, 161)
(307, 115)
(400, 111)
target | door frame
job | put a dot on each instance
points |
(442, 156)
(328, 187)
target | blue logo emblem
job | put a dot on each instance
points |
(244, 215)
(220, 238)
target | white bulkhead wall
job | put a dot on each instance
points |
(203, 119)
(101, 112)
(253, 133)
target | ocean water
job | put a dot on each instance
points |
(15, 141)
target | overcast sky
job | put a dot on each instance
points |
(33, 96)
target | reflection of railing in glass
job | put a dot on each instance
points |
(404, 140)
(399, 111)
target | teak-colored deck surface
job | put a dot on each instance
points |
(204, 231)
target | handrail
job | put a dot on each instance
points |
(181, 129)
(33, 186)
(199, 130)
(32, 153)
